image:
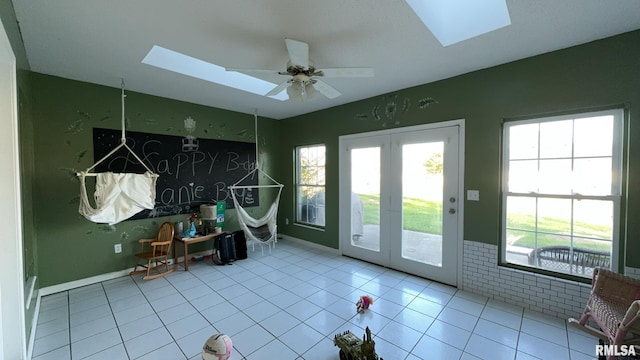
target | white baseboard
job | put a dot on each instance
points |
(103, 277)
(310, 244)
(82, 282)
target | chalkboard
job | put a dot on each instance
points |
(192, 171)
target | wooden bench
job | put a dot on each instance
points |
(568, 260)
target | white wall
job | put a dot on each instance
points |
(12, 327)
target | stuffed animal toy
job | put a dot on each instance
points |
(364, 303)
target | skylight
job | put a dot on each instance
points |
(453, 21)
(190, 66)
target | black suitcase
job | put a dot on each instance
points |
(224, 250)
(240, 242)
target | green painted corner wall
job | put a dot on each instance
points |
(63, 113)
(603, 73)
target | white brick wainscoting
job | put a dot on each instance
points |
(556, 297)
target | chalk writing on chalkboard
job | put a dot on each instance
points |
(192, 171)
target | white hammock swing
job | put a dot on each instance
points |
(262, 231)
(117, 196)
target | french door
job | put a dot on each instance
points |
(399, 200)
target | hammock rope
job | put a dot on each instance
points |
(262, 231)
(118, 196)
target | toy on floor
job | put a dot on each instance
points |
(351, 347)
(364, 303)
(217, 347)
(201, 257)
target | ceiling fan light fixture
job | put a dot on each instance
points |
(295, 92)
(310, 91)
(301, 91)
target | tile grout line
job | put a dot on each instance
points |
(113, 315)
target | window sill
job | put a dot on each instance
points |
(545, 273)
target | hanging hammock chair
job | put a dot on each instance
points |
(118, 196)
(261, 231)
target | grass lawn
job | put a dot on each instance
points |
(426, 216)
(419, 215)
(554, 231)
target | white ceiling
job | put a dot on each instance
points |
(103, 42)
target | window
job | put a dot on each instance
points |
(310, 183)
(561, 192)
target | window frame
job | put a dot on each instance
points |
(298, 184)
(615, 196)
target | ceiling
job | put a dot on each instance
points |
(103, 42)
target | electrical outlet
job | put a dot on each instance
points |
(286, 221)
(117, 248)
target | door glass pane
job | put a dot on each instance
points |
(365, 198)
(422, 206)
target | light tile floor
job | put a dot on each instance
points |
(288, 305)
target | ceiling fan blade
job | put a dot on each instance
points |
(326, 90)
(298, 52)
(348, 72)
(278, 89)
(252, 71)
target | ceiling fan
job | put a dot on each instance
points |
(304, 82)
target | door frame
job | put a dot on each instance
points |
(460, 191)
(12, 304)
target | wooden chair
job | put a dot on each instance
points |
(156, 251)
(614, 305)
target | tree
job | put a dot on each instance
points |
(312, 175)
(434, 164)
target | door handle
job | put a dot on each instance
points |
(452, 211)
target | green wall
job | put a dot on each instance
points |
(64, 112)
(600, 74)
